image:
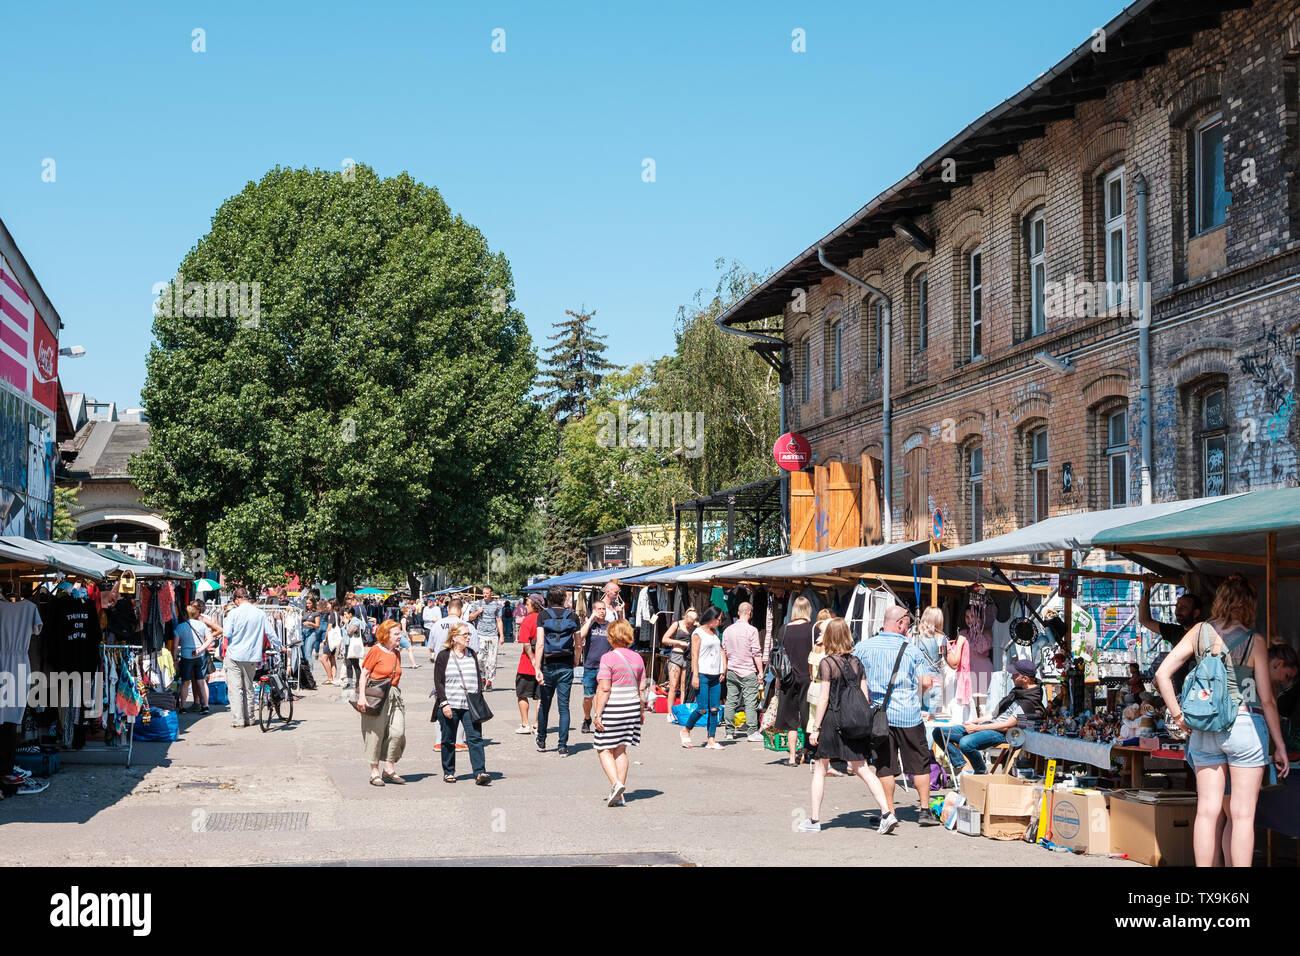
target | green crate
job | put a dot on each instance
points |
(776, 740)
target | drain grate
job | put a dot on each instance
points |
(274, 822)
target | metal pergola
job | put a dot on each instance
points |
(758, 501)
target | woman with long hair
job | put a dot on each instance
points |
(678, 641)
(456, 675)
(929, 639)
(792, 700)
(329, 654)
(840, 672)
(1240, 753)
(708, 670)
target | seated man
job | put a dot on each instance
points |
(965, 742)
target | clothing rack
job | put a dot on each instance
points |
(96, 751)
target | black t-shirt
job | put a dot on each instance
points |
(1172, 634)
(74, 643)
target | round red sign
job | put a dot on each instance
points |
(792, 452)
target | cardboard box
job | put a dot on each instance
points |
(1080, 820)
(1152, 827)
(997, 793)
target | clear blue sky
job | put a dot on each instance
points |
(759, 150)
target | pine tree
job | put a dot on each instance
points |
(574, 367)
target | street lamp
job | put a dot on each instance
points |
(72, 351)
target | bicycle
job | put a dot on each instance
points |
(273, 696)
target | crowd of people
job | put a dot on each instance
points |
(843, 706)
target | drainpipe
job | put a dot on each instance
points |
(887, 411)
(1144, 337)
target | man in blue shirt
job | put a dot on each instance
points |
(245, 627)
(906, 729)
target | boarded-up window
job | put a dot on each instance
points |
(916, 495)
(843, 505)
(873, 500)
(803, 512)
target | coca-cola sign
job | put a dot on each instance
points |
(792, 452)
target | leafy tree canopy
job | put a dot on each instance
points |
(370, 414)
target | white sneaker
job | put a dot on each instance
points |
(615, 795)
(31, 785)
(887, 824)
(669, 718)
(809, 826)
(523, 730)
(756, 737)
(20, 772)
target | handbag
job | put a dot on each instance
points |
(333, 638)
(479, 711)
(875, 721)
(377, 693)
(781, 665)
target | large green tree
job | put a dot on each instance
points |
(370, 414)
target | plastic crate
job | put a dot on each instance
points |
(778, 740)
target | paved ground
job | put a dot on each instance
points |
(711, 808)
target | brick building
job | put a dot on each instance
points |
(1008, 262)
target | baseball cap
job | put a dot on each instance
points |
(1024, 668)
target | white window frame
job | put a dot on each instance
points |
(922, 312)
(807, 370)
(976, 288)
(975, 488)
(1116, 224)
(1037, 302)
(1198, 169)
(837, 352)
(1115, 451)
(1037, 465)
(880, 332)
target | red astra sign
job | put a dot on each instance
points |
(792, 452)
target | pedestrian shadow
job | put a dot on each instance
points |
(851, 820)
(642, 794)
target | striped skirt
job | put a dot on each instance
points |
(622, 719)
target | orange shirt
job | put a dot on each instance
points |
(380, 664)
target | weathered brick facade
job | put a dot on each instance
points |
(1225, 304)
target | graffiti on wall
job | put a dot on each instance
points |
(1266, 400)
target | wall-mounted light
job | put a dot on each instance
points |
(913, 235)
(72, 351)
(1049, 360)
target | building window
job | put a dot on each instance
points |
(1038, 473)
(975, 490)
(922, 313)
(880, 333)
(1214, 442)
(836, 353)
(1036, 245)
(1212, 196)
(807, 369)
(1117, 458)
(976, 272)
(1116, 238)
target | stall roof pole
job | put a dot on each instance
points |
(731, 527)
(677, 535)
(934, 575)
(1271, 575)
(699, 533)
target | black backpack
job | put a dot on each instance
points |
(559, 628)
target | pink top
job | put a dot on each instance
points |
(963, 690)
(622, 668)
(740, 641)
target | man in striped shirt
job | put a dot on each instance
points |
(906, 730)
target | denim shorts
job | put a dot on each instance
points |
(589, 681)
(194, 668)
(1244, 744)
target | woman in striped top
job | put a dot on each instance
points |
(456, 675)
(618, 711)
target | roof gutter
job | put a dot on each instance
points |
(887, 408)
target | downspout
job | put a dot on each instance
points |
(1144, 337)
(887, 410)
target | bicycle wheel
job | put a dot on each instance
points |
(263, 708)
(284, 707)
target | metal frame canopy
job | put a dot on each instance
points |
(621, 575)
(25, 554)
(125, 562)
(1256, 534)
(758, 500)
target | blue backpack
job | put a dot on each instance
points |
(559, 627)
(1206, 703)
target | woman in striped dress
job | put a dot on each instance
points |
(618, 712)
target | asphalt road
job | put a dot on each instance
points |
(195, 800)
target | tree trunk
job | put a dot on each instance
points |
(342, 576)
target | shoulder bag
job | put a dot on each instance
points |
(377, 691)
(479, 711)
(874, 722)
(780, 663)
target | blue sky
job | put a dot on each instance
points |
(758, 150)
